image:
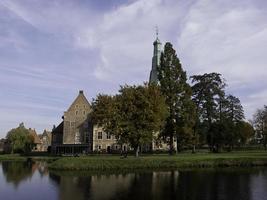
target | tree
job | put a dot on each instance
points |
(235, 110)
(260, 124)
(20, 139)
(245, 130)
(208, 92)
(106, 114)
(233, 118)
(177, 92)
(133, 116)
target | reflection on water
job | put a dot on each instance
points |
(27, 180)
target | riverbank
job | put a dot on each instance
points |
(17, 157)
(180, 161)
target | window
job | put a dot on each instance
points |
(108, 136)
(77, 138)
(77, 106)
(99, 135)
(99, 147)
(86, 136)
(76, 112)
(83, 112)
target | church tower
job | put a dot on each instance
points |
(153, 78)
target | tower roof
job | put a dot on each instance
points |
(157, 41)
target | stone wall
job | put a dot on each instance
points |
(102, 141)
(77, 129)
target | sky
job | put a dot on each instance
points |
(49, 50)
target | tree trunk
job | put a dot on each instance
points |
(194, 149)
(137, 151)
(171, 145)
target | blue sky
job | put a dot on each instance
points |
(49, 50)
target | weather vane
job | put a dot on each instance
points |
(157, 31)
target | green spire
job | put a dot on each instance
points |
(153, 78)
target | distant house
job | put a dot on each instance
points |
(45, 139)
(36, 140)
(42, 141)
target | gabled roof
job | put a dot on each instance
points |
(80, 97)
(36, 139)
(47, 134)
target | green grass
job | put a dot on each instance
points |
(17, 157)
(185, 160)
(12, 157)
(148, 162)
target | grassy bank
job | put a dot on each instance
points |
(207, 160)
(12, 157)
(180, 161)
(17, 157)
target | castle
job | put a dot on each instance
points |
(77, 134)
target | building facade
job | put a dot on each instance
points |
(77, 134)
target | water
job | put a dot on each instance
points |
(27, 181)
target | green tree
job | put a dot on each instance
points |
(173, 84)
(234, 116)
(260, 124)
(133, 116)
(208, 92)
(235, 109)
(20, 139)
(106, 114)
(245, 130)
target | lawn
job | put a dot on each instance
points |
(184, 160)
(162, 161)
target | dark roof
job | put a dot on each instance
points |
(58, 129)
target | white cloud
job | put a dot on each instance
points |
(63, 46)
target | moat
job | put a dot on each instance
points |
(32, 180)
